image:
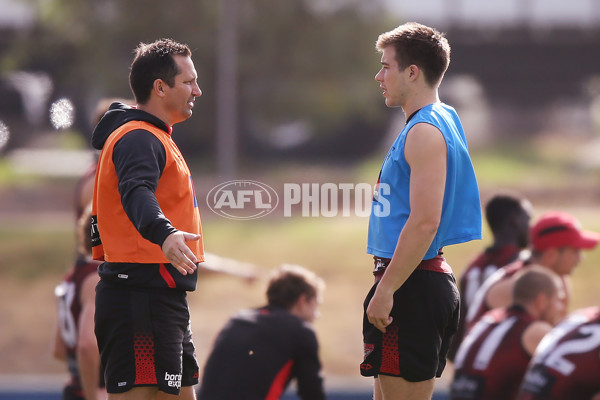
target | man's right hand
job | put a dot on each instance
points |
(379, 309)
(178, 253)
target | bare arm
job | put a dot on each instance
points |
(88, 357)
(59, 350)
(425, 152)
(500, 294)
(534, 334)
(222, 265)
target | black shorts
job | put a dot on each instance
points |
(144, 337)
(425, 316)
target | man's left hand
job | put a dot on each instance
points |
(178, 253)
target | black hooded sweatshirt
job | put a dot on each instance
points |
(139, 158)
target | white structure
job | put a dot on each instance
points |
(500, 13)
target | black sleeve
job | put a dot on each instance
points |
(140, 159)
(307, 368)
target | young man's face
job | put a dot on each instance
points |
(521, 223)
(391, 79)
(308, 308)
(567, 259)
(180, 98)
(555, 309)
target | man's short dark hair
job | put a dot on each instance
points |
(154, 61)
(501, 210)
(290, 282)
(420, 45)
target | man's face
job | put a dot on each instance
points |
(567, 259)
(309, 310)
(391, 79)
(522, 220)
(556, 307)
(179, 99)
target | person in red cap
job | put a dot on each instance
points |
(557, 241)
(557, 229)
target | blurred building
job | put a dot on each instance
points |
(530, 64)
(538, 14)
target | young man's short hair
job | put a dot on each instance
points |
(289, 282)
(532, 281)
(501, 209)
(420, 45)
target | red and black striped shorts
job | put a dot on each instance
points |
(144, 338)
(425, 317)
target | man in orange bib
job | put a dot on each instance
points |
(147, 230)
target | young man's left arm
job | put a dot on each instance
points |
(59, 348)
(425, 151)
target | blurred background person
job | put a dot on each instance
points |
(566, 364)
(84, 187)
(557, 241)
(75, 342)
(508, 219)
(492, 359)
(260, 350)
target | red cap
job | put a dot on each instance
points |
(559, 229)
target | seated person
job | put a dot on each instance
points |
(260, 350)
(492, 359)
(566, 364)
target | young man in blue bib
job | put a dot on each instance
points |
(427, 198)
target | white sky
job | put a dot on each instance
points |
(15, 13)
(493, 13)
(584, 13)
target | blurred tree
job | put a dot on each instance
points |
(306, 78)
(305, 67)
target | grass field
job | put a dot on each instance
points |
(36, 248)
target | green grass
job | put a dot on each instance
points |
(31, 253)
(35, 257)
(71, 140)
(540, 163)
(318, 243)
(270, 241)
(36, 248)
(8, 176)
